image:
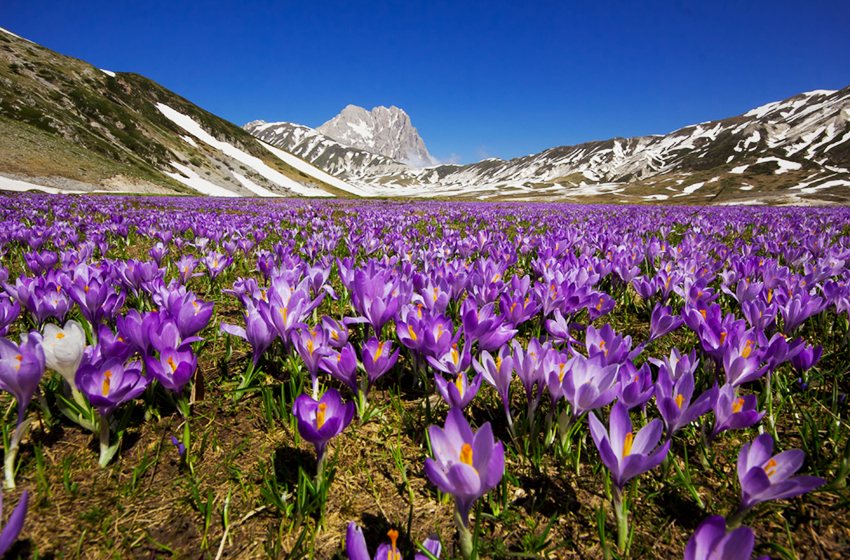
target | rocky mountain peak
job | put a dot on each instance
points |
(383, 130)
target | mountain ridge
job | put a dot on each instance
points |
(386, 131)
(783, 149)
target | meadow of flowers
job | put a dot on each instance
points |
(239, 379)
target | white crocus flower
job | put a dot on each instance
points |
(63, 349)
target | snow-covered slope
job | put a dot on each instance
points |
(804, 140)
(68, 126)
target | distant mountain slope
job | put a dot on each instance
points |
(791, 151)
(67, 125)
(385, 131)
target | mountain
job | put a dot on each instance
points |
(383, 131)
(795, 151)
(66, 126)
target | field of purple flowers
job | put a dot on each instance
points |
(208, 378)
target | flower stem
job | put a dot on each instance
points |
(9, 465)
(105, 452)
(464, 536)
(621, 512)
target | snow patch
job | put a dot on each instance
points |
(189, 140)
(189, 125)
(9, 184)
(739, 170)
(195, 181)
(690, 189)
(254, 187)
(784, 164)
(109, 73)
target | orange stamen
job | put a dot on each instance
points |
(737, 405)
(107, 378)
(466, 454)
(320, 415)
(627, 444)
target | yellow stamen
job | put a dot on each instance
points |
(680, 398)
(748, 349)
(107, 378)
(498, 362)
(393, 553)
(459, 384)
(284, 312)
(702, 312)
(627, 444)
(737, 405)
(411, 332)
(60, 335)
(85, 289)
(320, 415)
(770, 467)
(379, 351)
(722, 337)
(455, 355)
(171, 364)
(466, 454)
(561, 372)
(769, 295)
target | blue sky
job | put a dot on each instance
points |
(479, 79)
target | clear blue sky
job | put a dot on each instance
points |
(478, 79)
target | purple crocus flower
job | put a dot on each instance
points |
(342, 365)
(625, 453)
(484, 326)
(256, 331)
(797, 309)
(375, 297)
(528, 364)
(765, 477)
(661, 322)
(559, 328)
(157, 252)
(460, 392)
(674, 401)
(13, 526)
(216, 263)
(111, 383)
(732, 412)
(186, 267)
(355, 546)
(21, 368)
(9, 311)
(454, 361)
(466, 464)
(378, 358)
(677, 365)
(189, 313)
(310, 346)
(498, 372)
(175, 363)
(613, 347)
(94, 294)
(181, 448)
(136, 328)
(806, 358)
(590, 384)
(337, 332)
(711, 541)
(636, 387)
(321, 420)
